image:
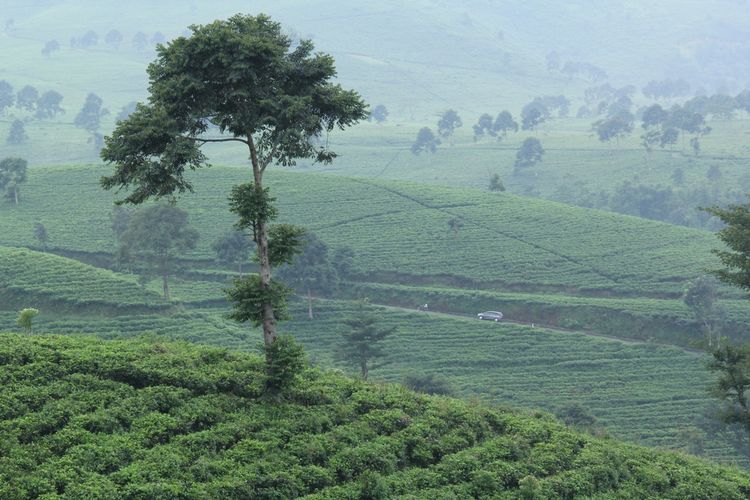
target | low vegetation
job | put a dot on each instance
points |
(83, 418)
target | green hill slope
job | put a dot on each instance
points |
(400, 231)
(85, 418)
(29, 278)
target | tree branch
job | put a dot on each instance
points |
(227, 139)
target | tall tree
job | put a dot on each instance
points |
(614, 127)
(732, 362)
(12, 175)
(243, 76)
(48, 105)
(89, 39)
(361, 340)
(311, 270)
(17, 134)
(155, 237)
(448, 123)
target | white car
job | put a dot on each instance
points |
(490, 315)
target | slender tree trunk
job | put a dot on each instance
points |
(165, 285)
(267, 317)
(363, 365)
(309, 303)
(15, 194)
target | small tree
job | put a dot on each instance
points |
(12, 175)
(361, 340)
(700, 297)
(448, 123)
(120, 218)
(233, 248)
(379, 113)
(496, 184)
(91, 114)
(50, 47)
(17, 134)
(311, 269)
(426, 141)
(614, 127)
(155, 237)
(483, 127)
(40, 235)
(27, 97)
(429, 384)
(343, 262)
(26, 318)
(534, 114)
(48, 105)
(503, 124)
(113, 38)
(529, 154)
(140, 41)
(7, 97)
(89, 39)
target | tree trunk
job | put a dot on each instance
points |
(15, 194)
(363, 365)
(309, 303)
(267, 317)
(165, 285)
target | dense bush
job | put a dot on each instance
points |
(82, 418)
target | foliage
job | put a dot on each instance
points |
(701, 296)
(154, 419)
(503, 124)
(17, 134)
(48, 105)
(379, 113)
(425, 141)
(49, 47)
(495, 183)
(615, 127)
(91, 114)
(529, 154)
(40, 235)
(26, 318)
(575, 415)
(311, 270)
(7, 97)
(736, 259)
(732, 363)
(243, 77)
(285, 361)
(12, 174)
(68, 284)
(113, 38)
(26, 98)
(233, 248)
(361, 339)
(429, 384)
(448, 123)
(248, 297)
(483, 126)
(155, 237)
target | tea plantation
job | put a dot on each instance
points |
(83, 418)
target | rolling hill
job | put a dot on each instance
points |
(85, 418)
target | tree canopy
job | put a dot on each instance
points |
(12, 175)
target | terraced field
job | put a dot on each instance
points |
(28, 278)
(400, 231)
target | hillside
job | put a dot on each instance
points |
(400, 231)
(29, 278)
(85, 418)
